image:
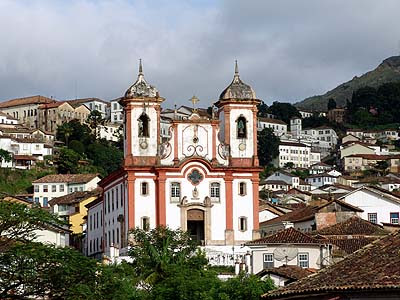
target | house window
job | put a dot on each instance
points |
(45, 188)
(242, 223)
(61, 188)
(112, 200)
(36, 188)
(144, 188)
(143, 123)
(45, 202)
(54, 188)
(241, 128)
(394, 218)
(242, 188)
(91, 222)
(175, 191)
(121, 197)
(268, 260)
(36, 199)
(373, 218)
(146, 223)
(303, 260)
(215, 190)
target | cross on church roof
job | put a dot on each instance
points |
(194, 101)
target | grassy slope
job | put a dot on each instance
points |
(387, 71)
(20, 181)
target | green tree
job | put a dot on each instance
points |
(331, 104)
(105, 156)
(77, 146)
(67, 161)
(382, 166)
(64, 131)
(262, 109)
(5, 156)
(283, 111)
(268, 146)
(95, 119)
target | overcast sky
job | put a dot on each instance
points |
(287, 50)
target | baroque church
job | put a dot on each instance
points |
(203, 179)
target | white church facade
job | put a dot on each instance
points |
(204, 179)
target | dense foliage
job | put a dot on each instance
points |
(373, 107)
(84, 151)
(166, 264)
(268, 146)
(283, 111)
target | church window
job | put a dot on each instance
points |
(144, 188)
(175, 191)
(143, 125)
(242, 189)
(215, 191)
(117, 235)
(242, 223)
(241, 127)
(146, 223)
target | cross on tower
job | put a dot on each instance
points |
(194, 101)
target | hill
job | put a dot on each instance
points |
(387, 71)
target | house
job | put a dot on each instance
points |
(52, 186)
(72, 207)
(93, 104)
(311, 217)
(347, 180)
(320, 168)
(337, 115)
(110, 131)
(285, 274)
(305, 113)
(350, 138)
(330, 191)
(323, 134)
(350, 235)
(388, 183)
(8, 119)
(116, 111)
(294, 153)
(280, 180)
(288, 247)
(370, 273)
(268, 211)
(318, 180)
(25, 110)
(279, 127)
(94, 244)
(379, 206)
(355, 148)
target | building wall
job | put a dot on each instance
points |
(48, 236)
(94, 229)
(76, 219)
(356, 149)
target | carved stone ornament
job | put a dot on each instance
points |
(143, 145)
(242, 146)
(195, 177)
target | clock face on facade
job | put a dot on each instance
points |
(143, 145)
(242, 147)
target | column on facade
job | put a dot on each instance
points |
(131, 200)
(160, 200)
(256, 223)
(229, 232)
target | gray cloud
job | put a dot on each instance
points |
(287, 50)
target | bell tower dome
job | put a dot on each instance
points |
(237, 108)
(141, 104)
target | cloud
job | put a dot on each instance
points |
(287, 50)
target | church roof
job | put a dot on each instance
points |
(238, 89)
(141, 88)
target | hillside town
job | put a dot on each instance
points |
(326, 195)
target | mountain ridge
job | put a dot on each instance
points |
(387, 71)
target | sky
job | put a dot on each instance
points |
(286, 50)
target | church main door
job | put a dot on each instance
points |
(195, 224)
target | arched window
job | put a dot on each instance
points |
(144, 125)
(241, 128)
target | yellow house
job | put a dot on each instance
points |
(72, 208)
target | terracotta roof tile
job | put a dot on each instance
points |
(75, 197)
(270, 120)
(297, 215)
(25, 101)
(375, 267)
(353, 226)
(289, 235)
(289, 271)
(69, 178)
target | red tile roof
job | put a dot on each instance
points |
(25, 101)
(289, 235)
(69, 178)
(288, 271)
(75, 197)
(353, 226)
(374, 268)
(298, 215)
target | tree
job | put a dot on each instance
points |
(18, 222)
(382, 166)
(64, 131)
(77, 146)
(289, 165)
(95, 119)
(331, 104)
(107, 158)
(262, 109)
(5, 156)
(67, 161)
(268, 146)
(283, 111)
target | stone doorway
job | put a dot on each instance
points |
(195, 225)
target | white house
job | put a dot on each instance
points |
(379, 205)
(278, 126)
(7, 119)
(323, 134)
(280, 180)
(293, 152)
(318, 180)
(116, 111)
(110, 131)
(51, 186)
(289, 247)
(94, 104)
(94, 228)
